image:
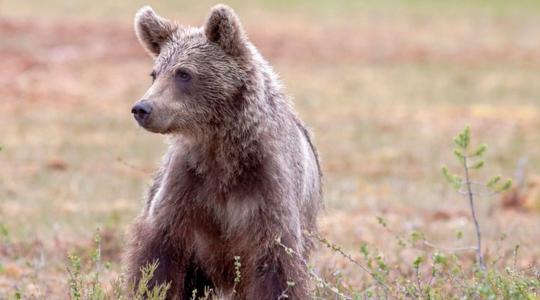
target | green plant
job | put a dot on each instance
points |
(470, 161)
(436, 272)
(143, 292)
(237, 273)
(85, 282)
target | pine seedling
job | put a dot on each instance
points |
(472, 160)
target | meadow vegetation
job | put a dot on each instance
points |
(384, 86)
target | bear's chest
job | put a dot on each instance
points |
(193, 201)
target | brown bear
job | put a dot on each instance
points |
(240, 171)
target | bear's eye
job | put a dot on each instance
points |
(183, 75)
(153, 75)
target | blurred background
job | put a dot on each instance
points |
(384, 86)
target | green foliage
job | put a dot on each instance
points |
(75, 281)
(157, 292)
(455, 180)
(4, 232)
(381, 221)
(480, 150)
(493, 181)
(472, 160)
(417, 262)
(432, 274)
(85, 284)
(504, 187)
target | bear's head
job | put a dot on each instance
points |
(199, 74)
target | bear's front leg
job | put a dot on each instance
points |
(148, 246)
(279, 277)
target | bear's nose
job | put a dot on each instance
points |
(141, 111)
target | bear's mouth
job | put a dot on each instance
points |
(150, 126)
(145, 123)
(142, 123)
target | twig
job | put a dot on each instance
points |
(418, 283)
(132, 167)
(456, 249)
(321, 281)
(470, 195)
(351, 259)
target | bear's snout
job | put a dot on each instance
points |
(141, 111)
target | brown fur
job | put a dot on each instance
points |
(240, 170)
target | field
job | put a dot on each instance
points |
(384, 86)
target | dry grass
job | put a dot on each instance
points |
(384, 88)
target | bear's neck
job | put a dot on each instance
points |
(240, 144)
(228, 158)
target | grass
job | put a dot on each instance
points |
(383, 84)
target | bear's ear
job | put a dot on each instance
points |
(223, 28)
(152, 30)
